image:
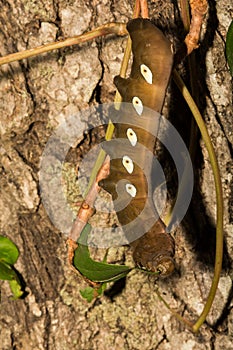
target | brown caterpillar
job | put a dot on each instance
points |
(131, 163)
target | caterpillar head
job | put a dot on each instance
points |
(154, 252)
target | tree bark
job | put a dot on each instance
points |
(36, 95)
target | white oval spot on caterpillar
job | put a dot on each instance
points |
(128, 164)
(146, 73)
(131, 189)
(137, 103)
(131, 136)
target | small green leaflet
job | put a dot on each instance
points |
(6, 272)
(229, 47)
(8, 251)
(16, 288)
(8, 256)
(90, 293)
(94, 270)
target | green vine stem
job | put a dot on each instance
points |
(218, 187)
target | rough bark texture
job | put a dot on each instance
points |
(35, 95)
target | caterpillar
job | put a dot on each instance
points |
(136, 125)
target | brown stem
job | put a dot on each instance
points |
(144, 9)
(198, 12)
(109, 28)
(86, 209)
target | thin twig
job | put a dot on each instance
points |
(108, 28)
(86, 209)
(198, 12)
(144, 9)
(191, 42)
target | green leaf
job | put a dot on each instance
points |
(6, 271)
(94, 270)
(90, 293)
(16, 288)
(8, 251)
(87, 293)
(229, 47)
